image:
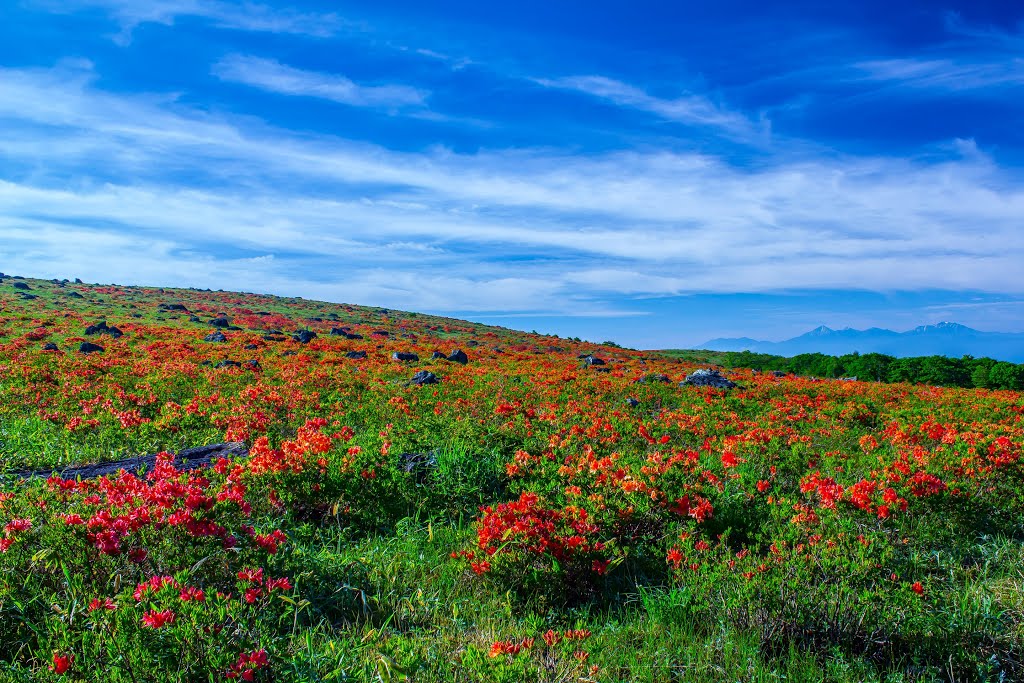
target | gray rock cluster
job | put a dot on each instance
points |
(706, 377)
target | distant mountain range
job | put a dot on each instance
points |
(945, 339)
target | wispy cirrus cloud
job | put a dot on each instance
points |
(244, 16)
(690, 109)
(951, 75)
(420, 230)
(273, 76)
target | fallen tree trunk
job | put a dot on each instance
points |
(187, 459)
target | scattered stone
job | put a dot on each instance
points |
(653, 377)
(315, 320)
(707, 378)
(227, 364)
(78, 281)
(216, 337)
(101, 328)
(220, 321)
(275, 337)
(423, 377)
(436, 355)
(472, 342)
(250, 347)
(27, 297)
(254, 364)
(89, 347)
(206, 362)
(194, 319)
(304, 336)
(458, 356)
(339, 331)
(288, 353)
(50, 346)
(632, 402)
(173, 307)
(778, 373)
(402, 356)
(21, 285)
(356, 355)
(264, 313)
(380, 333)
(593, 360)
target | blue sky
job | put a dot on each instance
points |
(651, 173)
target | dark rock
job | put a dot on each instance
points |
(419, 465)
(50, 346)
(436, 354)
(102, 328)
(289, 353)
(707, 378)
(778, 373)
(264, 313)
(400, 355)
(194, 319)
(423, 377)
(352, 335)
(75, 295)
(78, 281)
(173, 307)
(227, 364)
(275, 337)
(206, 362)
(633, 403)
(89, 347)
(458, 356)
(220, 321)
(216, 337)
(356, 355)
(472, 342)
(339, 332)
(304, 336)
(250, 347)
(21, 285)
(315, 320)
(254, 364)
(593, 360)
(380, 333)
(27, 297)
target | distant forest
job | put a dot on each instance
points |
(876, 367)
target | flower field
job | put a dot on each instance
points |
(526, 512)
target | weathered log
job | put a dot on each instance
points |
(187, 459)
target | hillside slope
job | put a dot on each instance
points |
(517, 508)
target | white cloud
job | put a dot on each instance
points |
(696, 110)
(142, 185)
(244, 16)
(953, 75)
(270, 75)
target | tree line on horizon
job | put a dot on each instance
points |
(967, 371)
